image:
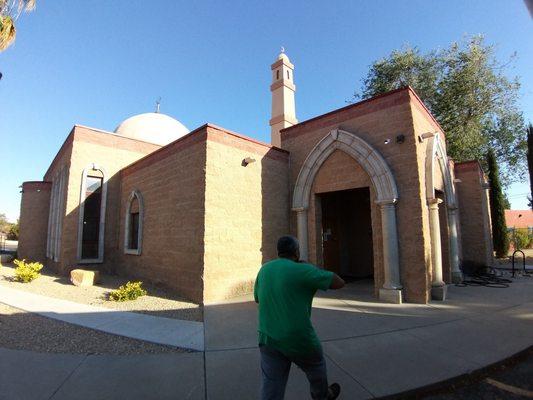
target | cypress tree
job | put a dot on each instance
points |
(500, 239)
(530, 162)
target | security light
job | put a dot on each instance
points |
(247, 160)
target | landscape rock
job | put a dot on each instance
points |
(84, 277)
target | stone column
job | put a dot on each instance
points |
(457, 275)
(391, 290)
(301, 217)
(438, 288)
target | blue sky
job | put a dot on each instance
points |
(98, 62)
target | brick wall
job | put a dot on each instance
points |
(172, 184)
(246, 211)
(424, 123)
(84, 147)
(34, 205)
(375, 121)
(474, 215)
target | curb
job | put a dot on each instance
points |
(460, 380)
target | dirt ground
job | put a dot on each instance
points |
(158, 302)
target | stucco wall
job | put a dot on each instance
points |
(246, 210)
(33, 222)
(171, 182)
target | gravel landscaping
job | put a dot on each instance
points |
(21, 330)
(158, 302)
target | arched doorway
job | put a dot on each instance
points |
(384, 185)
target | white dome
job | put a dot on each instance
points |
(153, 128)
(283, 56)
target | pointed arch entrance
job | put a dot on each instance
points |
(386, 192)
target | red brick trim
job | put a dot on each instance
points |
(281, 62)
(102, 138)
(281, 83)
(386, 100)
(424, 108)
(358, 109)
(108, 134)
(249, 139)
(196, 136)
(36, 185)
(218, 135)
(472, 165)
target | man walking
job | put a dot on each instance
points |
(284, 289)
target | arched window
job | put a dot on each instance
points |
(91, 227)
(134, 224)
(277, 74)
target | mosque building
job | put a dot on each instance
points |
(368, 189)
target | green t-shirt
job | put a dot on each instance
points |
(284, 290)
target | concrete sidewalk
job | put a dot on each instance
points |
(372, 350)
(167, 331)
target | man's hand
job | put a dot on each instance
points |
(337, 282)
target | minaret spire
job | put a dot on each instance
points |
(282, 88)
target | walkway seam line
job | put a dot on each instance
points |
(68, 376)
(350, 375)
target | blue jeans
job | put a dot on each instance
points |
(275, 367)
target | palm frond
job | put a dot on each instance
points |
(7, 32)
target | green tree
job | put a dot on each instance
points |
(465, 88)
(500, 239)
(13, 232)
(4, 223)
(530, 162)
(10, 10)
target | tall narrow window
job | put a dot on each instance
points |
(92, 215)
(288, 75)
(133, 224)
(277, 74)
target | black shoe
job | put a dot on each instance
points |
(334, 391)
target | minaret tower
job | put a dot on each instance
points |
(282, 88)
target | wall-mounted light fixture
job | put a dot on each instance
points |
(386, 141)
(247, 160)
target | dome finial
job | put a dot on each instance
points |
(282, 49)
(157, 104)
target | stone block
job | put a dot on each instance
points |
(439, 293)
(83, 277)
(393, 296)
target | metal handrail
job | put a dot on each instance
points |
(523, 260)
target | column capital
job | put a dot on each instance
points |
(434, 202)
(386, 203)
(299, 209)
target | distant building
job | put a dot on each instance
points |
(522, 219)
(368, 189)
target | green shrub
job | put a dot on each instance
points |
(520, 238)
(13, 233)
(27, 271)
(129, 291)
